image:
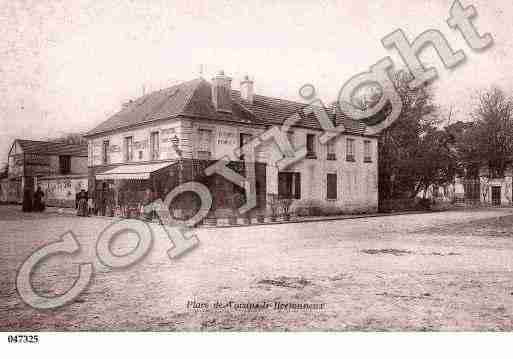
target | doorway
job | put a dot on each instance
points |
(496, 195)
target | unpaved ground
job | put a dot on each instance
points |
(438, 271)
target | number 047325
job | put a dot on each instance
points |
(31, 339)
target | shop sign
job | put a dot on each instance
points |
(37, 160)
(226, 138)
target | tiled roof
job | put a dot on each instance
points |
(165, 103)
(52, 148)
(194, 99)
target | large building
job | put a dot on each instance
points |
(59, 168)
(169, 137)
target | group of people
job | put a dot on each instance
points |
(82, 203)
(33, 202)
(101, 203)
(106, 201)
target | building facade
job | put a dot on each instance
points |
(486, 187)
(169, 137)
(60, 169)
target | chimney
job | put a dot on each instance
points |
(246, 90)
(222, 92)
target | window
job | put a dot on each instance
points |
(331, 186)
(64, 165)
(496, 170)
(105, 151)
(243, 139)
(350, 150)
(154, 146)
(204, 144)
(129, 148)
(367, 156)
(310, 146)
(330, 147)
(289, 185)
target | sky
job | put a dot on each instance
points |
(66, 66)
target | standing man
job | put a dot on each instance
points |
(101, 200)
(39, 205)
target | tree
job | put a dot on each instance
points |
(413, 152)
(486, 141)
(493, 134)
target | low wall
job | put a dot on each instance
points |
(10, 191)
(60, 191)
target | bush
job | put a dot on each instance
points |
(398, 204)
(305, 208)
(315, 208)
(423, 204)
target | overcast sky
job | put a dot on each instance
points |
(65, 66)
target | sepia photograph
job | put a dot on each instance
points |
(257, 166)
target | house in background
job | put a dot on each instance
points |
(170, 136)
(59, 168)
(484, 185)
(495, 185)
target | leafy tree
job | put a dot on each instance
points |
(413, 152)
(490, 142)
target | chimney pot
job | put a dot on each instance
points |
(222, 92)
(247, 92)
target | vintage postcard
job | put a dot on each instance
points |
(261, 166)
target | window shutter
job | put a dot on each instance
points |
(331, 183)
(297, 189)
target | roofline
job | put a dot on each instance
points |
(53, 154)
(10, 149)
(141, 124)
(195, 117)
(345, 132)
(25, 151)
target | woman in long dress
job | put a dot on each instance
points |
(82, 203)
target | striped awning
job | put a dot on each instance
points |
(132, 171)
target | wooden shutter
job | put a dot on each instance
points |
(297, 185)
(331, 184)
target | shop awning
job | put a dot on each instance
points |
(142, 171)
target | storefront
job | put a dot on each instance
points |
(59, 168)
(124, 190)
